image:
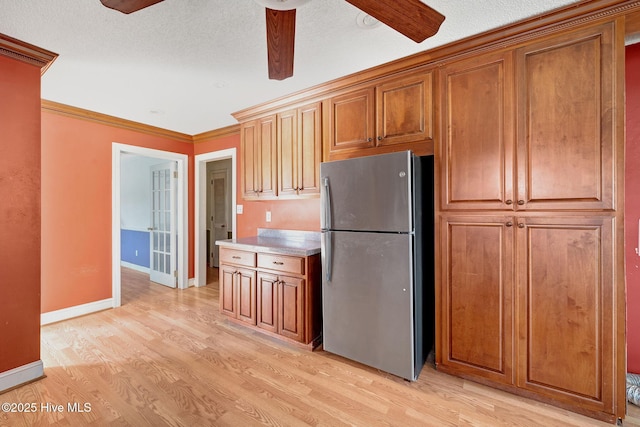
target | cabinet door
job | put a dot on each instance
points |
(287, 153)
(567, 132)
(267, 157)
(228, 295)
(478, 140)
(267, 308)
(309, 149)
(351, 121)
(245, 284)
(404, 110)
(250, 161)
(258, 139)
(291, 308)
(566, 310)
(476, 294)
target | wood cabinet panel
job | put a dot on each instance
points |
(309, 148)
(352, 120)
(291, 307)
(288, 264)
(567, 135)
(237, 293)
(267, 309)
(227, 291)
(287, 153)
(477, 105)
(299, 144)
(246, 295)
(232, 256)
(404, 110)
(566, 300)
(259, 158)
(478, 296)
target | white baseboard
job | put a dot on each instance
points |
(75, 311)
(135, 267)
(21, 375)
(192, 282)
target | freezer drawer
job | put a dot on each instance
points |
(367, 303)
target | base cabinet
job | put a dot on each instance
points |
(280, 295)
(526, 304)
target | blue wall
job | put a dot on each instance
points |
(132, 241)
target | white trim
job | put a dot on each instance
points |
(75, 311)
(192, 281)
(21, 375)
(136, 267)
(201, 161)
(183, 220)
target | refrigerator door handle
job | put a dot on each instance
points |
(328, 256)
(327, 204)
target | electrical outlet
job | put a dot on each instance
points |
(268, 216)
(239, 209)
(136, 252)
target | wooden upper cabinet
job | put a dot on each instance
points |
(404, 110)
(566, 127)
(394, 114)
(299, 142)
(478, 133)
(259, 158)
(352, 120)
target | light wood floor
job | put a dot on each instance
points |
(167, 357)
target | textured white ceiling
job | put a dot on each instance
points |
(186, 65)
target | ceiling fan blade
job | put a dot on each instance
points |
(128, 6)
(412, 18)
(281, 32)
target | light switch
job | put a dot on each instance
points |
(268, 216)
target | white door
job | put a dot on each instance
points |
(163, 224)
(219, 212)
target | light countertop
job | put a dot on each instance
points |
(283, 242)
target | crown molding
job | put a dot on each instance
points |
(92, 116)
(508, 36)
(217, 133)
(25, 52)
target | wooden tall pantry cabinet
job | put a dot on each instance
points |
(530, 210)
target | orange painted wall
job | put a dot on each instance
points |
(632, 206)
(76, 206)
(19, 213)
(285, 214)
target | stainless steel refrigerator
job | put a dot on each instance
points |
(377, 260)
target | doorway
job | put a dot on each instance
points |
(203, 212)
(119, 153)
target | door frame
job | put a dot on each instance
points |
(201, 187)
(182, 161)
(211, 203)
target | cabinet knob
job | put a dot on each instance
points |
(520, 225)
(509, 202)
(380, 138)
(509, 224)
(521, 202)
(369, 139)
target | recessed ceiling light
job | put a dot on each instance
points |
(282, 4)
(156, 112)
(366, 21)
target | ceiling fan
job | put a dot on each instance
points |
(411, 18)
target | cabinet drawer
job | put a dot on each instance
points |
(289, 264)
(233, 256)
